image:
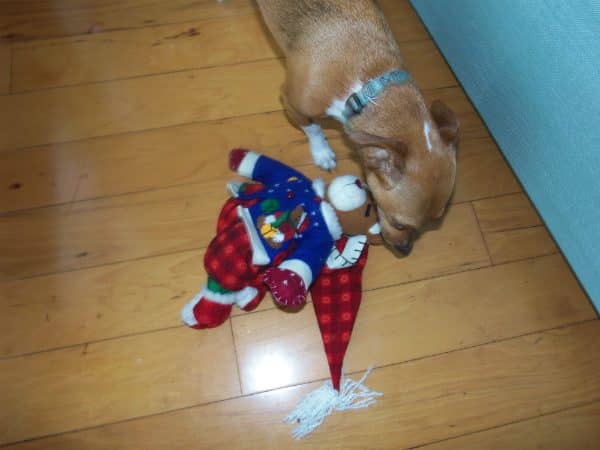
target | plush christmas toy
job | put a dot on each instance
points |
(275, 234)
(336, 296)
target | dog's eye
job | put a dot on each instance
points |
(398, 226)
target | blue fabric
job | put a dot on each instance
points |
(287, 196)
(532, 69)
(372, 89)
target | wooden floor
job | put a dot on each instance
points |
(114, 121)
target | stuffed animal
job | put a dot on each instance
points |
(277, 233)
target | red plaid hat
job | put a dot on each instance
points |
(336, 296)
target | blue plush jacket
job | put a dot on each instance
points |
(289, 211)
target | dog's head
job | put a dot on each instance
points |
(411, 177)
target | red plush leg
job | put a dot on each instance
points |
(210, 314)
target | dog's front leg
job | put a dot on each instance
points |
(320, 150)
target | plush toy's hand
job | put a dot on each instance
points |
(349, 255)
(287, 287)
(235, 158)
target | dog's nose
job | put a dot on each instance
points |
(404, 247)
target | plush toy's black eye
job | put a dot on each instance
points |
(368, 210)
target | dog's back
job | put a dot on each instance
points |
(329, 44)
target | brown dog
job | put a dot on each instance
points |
(333, 49)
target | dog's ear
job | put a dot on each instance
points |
(446, 122)
(382, 156)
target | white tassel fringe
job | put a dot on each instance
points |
(310, 413)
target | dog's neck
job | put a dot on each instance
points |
(398, 108)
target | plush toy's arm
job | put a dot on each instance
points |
(348, 256)
(261, 168)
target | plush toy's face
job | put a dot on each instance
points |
(355, 208)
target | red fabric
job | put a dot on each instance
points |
(287, 288)
(229, 255)
(210, 314)
(235, 158)
(336, 296)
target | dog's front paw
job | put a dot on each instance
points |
(320, 150)
(323, 156)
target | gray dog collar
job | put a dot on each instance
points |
(371, 90)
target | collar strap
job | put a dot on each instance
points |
(371, 90)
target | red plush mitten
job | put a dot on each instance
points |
(287, 287)
(235, 158)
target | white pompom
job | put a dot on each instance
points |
(310, 413)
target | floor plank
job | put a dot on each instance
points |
(511, 245)
(98, 303)
(144, 51)
(424, 401)
(114, 380)
(29, 20)
(135, 104)
(58, 115)
(512, 229)
(455, 246)
(121, 228)
(506, 213)
(32, 19)
(5, 68)
(458, 311)
(575, 428)
(100, 167)
(189, 45)
(483, 172)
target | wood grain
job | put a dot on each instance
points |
(458, 311)
(512, 228)
(174, 48)
(114, 380)
(506, 213)
(144, 51)
(192, 153)
(5, 68)
(511, 245)
(176, 219)
(83, 111)
(160, 158)
(154, 289)
(32, 19)
(454, 246)
(98, 303)
(424, 401)
(574, 428)
(182, 46)
(482, 172)
(29, 19)
(58, 115)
